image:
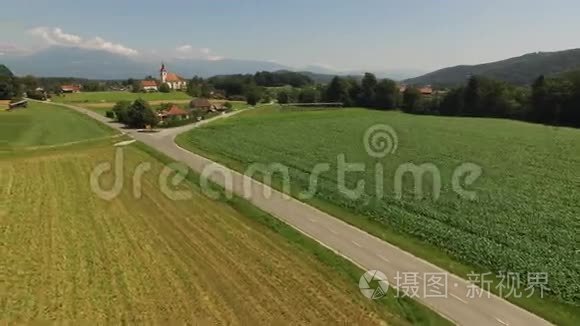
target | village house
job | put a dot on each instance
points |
(205, 105)
(200, 103)
(172, 80)
(70, 88)
(149, 86)
(174, 112)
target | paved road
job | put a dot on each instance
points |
(458, 304)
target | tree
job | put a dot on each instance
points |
(386, 94)
(7, 90)
(354, 91)
(453, 103)
(308, 95)
(140, 115)
(253, 96)
(337, 91)
(135, 86)
(283, 97)
(411, 99)
(472, 97)
(368, 86)
(164, 88)
(30, 83)
(121, 111)
(205, 90)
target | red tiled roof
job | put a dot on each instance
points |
(70, 87)
(174, 110)
(148, 83)
(171, 77)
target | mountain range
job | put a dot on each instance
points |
(520, 70)
(59, 61)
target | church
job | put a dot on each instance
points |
(173, 80)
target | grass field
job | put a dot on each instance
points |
(525, 219)
(103, 107)
(112, 97)
(43, 124)
(71, 257)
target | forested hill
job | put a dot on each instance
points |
(520, 70)
(4, 71)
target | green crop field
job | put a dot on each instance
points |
(69, 256)
(525, 219)
(44, 124)
(112, 97)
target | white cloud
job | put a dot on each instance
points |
(184, 48)
(187, 51)
(56, 36)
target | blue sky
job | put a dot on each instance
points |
(345, 35)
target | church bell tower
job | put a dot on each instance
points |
(163, 73)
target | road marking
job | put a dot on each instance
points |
(458, 298)
(501, 321)
(384, 258)
(356, 243)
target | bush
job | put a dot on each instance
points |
(228, 105)
(36, 95)
(110, 114)
(164, 88)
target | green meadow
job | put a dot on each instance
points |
(525, 217)
(44, 124)
(115, 96)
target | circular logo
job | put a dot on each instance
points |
(373, 284)
(380, 140)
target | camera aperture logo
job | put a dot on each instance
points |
(380, 140)
(373, 284)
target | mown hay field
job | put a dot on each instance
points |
(70, 256)
(526, 216)
(43, 124)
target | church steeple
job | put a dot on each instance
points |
(163, 73)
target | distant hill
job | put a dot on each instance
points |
(520, 70)
(59, 61)
(4, 71)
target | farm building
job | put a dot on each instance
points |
(173, 113)
(200, 103)
(149, 85)
(70, 88)
(173, 80)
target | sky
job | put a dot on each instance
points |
(338, 34)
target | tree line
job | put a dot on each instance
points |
(553, 100)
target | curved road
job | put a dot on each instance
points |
(460, 302)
